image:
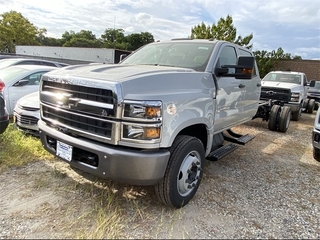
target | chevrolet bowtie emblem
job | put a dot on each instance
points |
(66, 100)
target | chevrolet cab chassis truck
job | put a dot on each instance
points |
(155, 117)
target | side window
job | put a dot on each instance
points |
(47, 64)
(26, 63)
(34, 79)
(227, 56)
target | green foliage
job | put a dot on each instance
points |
(111, 35)
(137, 40)
(84, 38)
(224, 30)
(17, 30)
(17, 148)
(267, 60)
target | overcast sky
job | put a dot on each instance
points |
(293, 25)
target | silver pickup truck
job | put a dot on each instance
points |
(277, 84)
(154, 118)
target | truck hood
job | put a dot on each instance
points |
(116, 72)
(292, 86)
(139, 81)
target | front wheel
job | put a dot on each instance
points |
(184, 172)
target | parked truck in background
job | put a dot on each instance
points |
(154, 118)
(314, 93)
(277, 84)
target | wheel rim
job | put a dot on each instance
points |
(189, 173)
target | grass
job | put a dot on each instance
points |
(17, 149)
(103, 216)
(87, 209)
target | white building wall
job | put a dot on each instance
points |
(73, 53)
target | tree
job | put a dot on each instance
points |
(137, 40)
(224, 30)
(84, 38)
(17, 30)
(267, 60)
(112, 35)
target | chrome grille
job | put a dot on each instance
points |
(281, 94)
(96, 126)
(83, 110)
(29, 120)
(82, 92)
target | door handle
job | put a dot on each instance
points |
(258, 84)
(242, 85)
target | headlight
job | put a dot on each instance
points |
(147, 110)
(142, 121)
(138, 132)
(295, 97)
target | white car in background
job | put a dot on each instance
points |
(26, 61)
(20, 81)
(27, 113)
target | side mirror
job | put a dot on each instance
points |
(123, 56)
(243, 70)
(21, 83)
(312, 83)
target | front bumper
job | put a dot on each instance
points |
(26, 121)
(121, 164)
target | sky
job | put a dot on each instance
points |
(293, 25)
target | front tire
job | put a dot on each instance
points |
(184, 172)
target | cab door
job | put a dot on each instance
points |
(230, 92)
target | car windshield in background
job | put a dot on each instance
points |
(7, 74)
(283, 77)
(173, 54)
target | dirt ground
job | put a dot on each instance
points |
(266, 189)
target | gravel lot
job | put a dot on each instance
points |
(266, 189)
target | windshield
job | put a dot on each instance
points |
(7, 74)
(174, 54)
(283, 77)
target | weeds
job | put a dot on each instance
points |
(17, 149)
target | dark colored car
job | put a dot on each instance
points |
(4, 116)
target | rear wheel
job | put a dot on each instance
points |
(184, 172)
(274, 115)
(311, 105)
(284, 119)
